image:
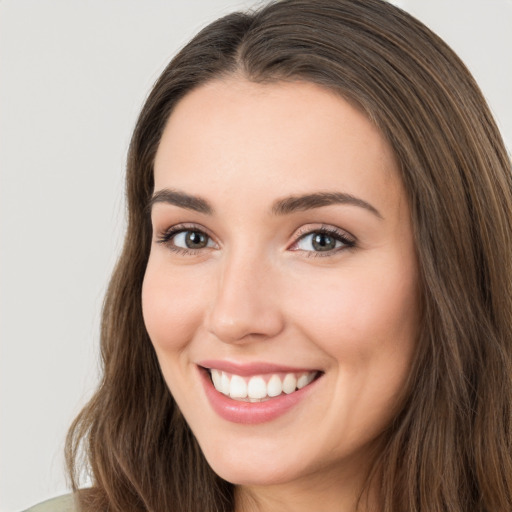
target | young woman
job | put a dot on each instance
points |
(312, 310)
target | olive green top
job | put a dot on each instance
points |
(64, 503)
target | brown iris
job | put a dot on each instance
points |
(196, 240)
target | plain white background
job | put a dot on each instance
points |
(73, 76)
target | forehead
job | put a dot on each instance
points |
(279, 138)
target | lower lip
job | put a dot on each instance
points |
(251, 412)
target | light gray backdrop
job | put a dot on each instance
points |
(73, 75)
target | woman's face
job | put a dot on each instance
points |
(282, 258)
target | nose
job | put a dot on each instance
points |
(245, 307)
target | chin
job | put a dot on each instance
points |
(253, 468)
(249, 475)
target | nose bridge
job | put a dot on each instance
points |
(244, 306)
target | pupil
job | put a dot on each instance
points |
(196, 240)
(323, 242)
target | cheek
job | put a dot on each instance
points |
(364, 313)
(367, 322)
(171, 307)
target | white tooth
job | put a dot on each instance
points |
(302, 381)
(274, 386)
(237, 387)
(216, 378)
(224, 384)
(289, 383)
(256, 388)
(311, 377)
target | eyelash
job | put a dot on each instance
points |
(340, 236)
(347, 240)
(166, 237)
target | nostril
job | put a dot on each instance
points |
(244, 324)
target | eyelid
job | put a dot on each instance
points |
(349, 241)
(165, 236)
(341, 235)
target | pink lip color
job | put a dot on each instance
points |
(249, 369)
(246, 412)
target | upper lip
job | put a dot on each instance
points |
(253, 368)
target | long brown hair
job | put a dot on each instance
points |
(450, 447)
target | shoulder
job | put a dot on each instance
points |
(64, 503)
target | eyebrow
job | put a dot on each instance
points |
(283, 206)
(182, 200)
(310, 201)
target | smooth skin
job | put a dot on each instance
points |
(242, 282)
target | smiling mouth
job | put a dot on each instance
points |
(260, 388)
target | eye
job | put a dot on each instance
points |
(324, 240)
(191, 240)
(186, 240)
